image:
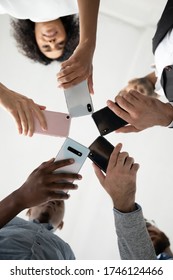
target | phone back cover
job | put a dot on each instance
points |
(66, 152)
(58, 124)
(78, 99)
(107, 121)
(100, 151)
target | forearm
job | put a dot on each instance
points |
(88, 14)
(9, 208)
(3, 91)
(133, 239)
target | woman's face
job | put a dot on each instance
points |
(51, 38)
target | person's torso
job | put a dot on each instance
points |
(21, 239)
(38, 10)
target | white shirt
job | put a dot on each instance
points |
(38, 10)
(163, 58)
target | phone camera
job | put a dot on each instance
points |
(105, 131)
(67, 117)
(89, 107)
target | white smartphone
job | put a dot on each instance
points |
(78, 99)
(58, 124)
(72, 149)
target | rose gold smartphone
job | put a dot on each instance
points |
(58, 124)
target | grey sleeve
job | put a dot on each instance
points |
(133, 239)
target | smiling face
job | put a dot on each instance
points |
(51, 38)
(50, 212)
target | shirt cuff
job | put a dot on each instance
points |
(171, 124)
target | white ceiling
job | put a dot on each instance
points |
(136, 12)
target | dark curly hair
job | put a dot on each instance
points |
(24, 34)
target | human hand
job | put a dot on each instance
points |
(44, 185)
(23, 110)
(77, 68)
(120, 179)
(140, 111)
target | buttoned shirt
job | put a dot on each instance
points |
(28, 240)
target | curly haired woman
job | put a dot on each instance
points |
(46, 31)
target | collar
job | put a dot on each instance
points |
(48, 226)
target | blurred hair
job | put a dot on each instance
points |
(146, 84)
(24, 34)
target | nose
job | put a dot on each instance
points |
(53, 40)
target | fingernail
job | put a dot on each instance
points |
(71, 160)
(75, 186)
(79, 177)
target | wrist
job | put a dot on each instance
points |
(125, 208)
(88, 43)
(18, 200)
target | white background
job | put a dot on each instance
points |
(125, 31)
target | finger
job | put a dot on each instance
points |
(122, 158)
(66, 63)
(67, 70)
(118, 111)
(23, 119)
(58, 164)
(58, 196)
(125, 101)
(129, 161)
(136, 95)
(127, 129)
(90, 84)
(99, 173)
(40, 116)
(62, 187)
(17, 120)
(73, 83)
(135, 167)
(114, 156)
(68, 78)
(29, 117)
(61, 176)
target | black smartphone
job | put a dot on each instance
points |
(100, 151)
(107, 121)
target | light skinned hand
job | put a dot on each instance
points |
(77, 68)
(23, 110)
(44, 185)
(140, 111)
(120, 179)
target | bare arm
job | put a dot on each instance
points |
(41, 186)
(79, 66)
(22, 110)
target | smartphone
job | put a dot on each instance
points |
(107, 121)
(78, 99)
(58, 124)
(72, 149)
(100, 151)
